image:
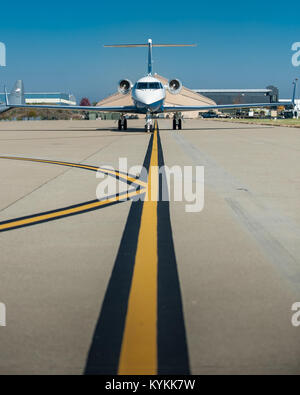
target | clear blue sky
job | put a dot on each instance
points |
(58, 45)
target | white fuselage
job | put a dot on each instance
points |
(148, 95)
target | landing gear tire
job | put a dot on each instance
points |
(179, 124)
(174, 124)
(122, 124)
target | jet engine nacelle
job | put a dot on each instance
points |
(174, 86)
(124, 86)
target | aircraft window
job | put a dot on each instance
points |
(142, 85)
(153, 85)
(148, 85)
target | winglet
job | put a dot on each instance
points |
(6, 96)
(294, 90)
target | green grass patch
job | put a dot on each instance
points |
(274, 122)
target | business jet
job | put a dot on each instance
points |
(148, 96)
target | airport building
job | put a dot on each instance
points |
(53, 98)
(241, 96)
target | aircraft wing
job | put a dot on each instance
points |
(223, 107)
(123, 109)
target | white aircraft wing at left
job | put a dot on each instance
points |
(123, 109)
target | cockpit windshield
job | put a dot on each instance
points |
(148, 85)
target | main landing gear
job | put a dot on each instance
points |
(177, 122)
(122, 123)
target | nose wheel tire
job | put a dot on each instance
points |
(149, 128)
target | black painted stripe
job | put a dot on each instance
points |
(58, 211)
(172, 343)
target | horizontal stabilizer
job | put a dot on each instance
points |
(150, 45)
(146, 45)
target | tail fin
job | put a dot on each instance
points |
(150, 45)
(16, 97)
(17, 94)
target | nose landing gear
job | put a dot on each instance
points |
(149, 127)
(122, 123)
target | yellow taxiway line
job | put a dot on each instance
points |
(139, 346)
(59, 213)
(81, 166)
(64, 212)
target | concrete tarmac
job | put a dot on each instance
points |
(133, 287)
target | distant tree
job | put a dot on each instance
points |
(32, 114)
(85, 102)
